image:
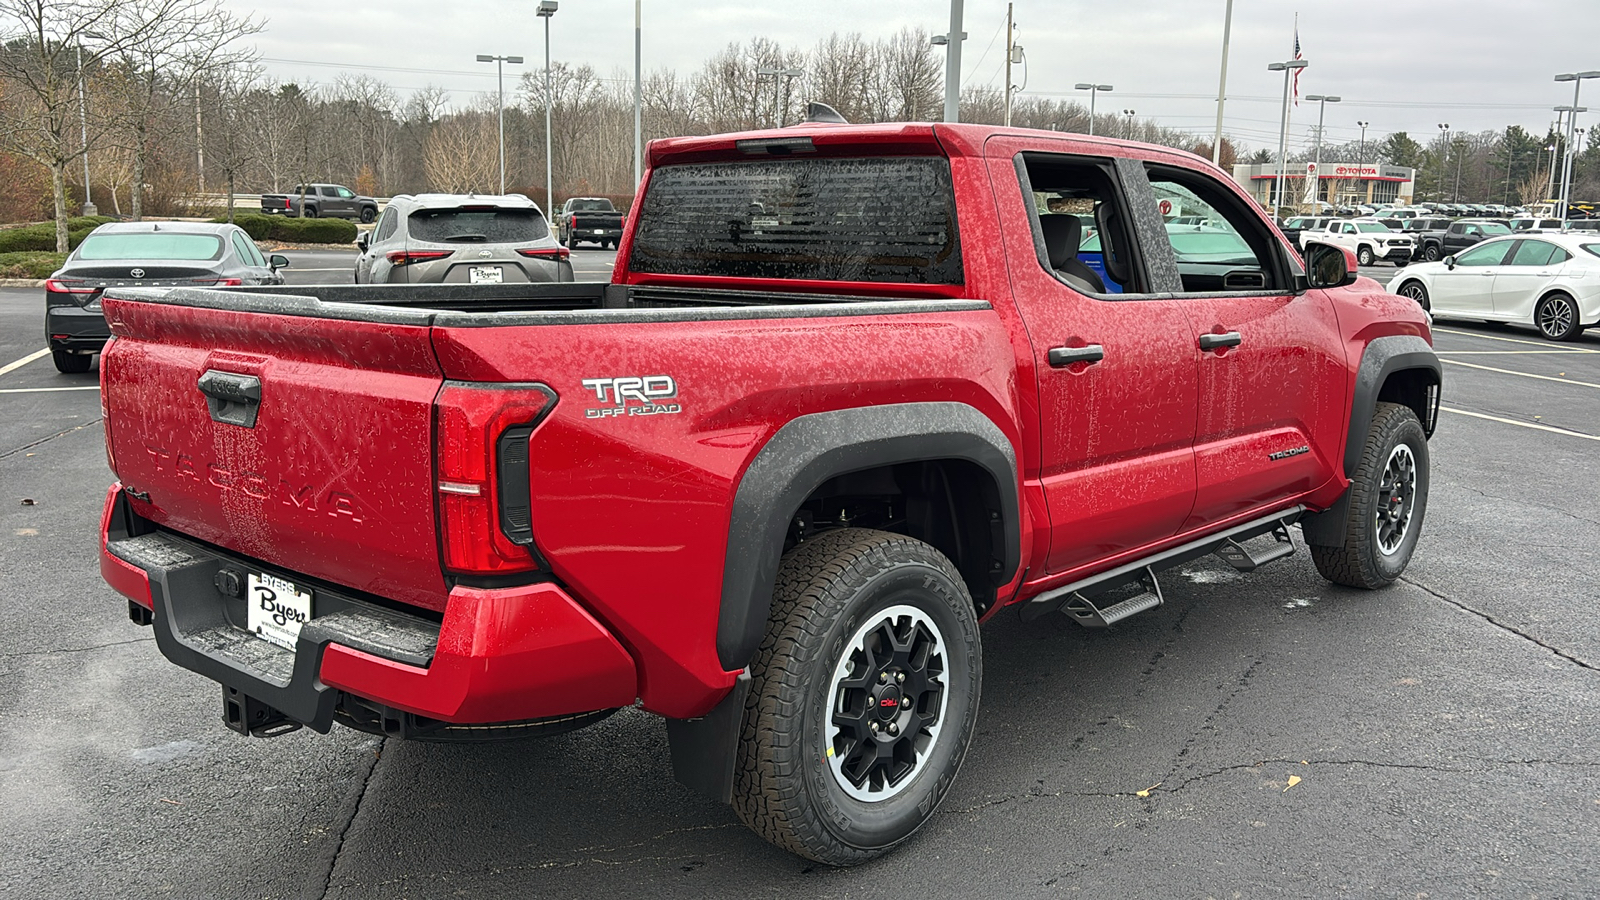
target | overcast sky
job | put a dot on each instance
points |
(1398, 64)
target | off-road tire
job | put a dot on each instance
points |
(310, 212)
(827, 590)
(1431, 253)
(368, 214)
(1360, 563)
(69, 363)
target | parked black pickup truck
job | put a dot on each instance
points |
(313, 200)
(589, 219)
(1436, 244)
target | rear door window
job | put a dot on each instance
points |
(478, 226)
(879, 220)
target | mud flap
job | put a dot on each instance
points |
(705, 750)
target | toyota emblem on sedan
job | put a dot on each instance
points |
(136, 273)
(484, 254)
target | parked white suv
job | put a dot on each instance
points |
(1369, 239)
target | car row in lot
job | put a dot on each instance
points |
(143, 254)
(1551, 281)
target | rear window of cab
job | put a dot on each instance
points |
(874, 219)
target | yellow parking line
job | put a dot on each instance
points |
(1457, 362)
(24, 361)
(1553, 430)
(1493, 337)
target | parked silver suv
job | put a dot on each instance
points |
(461, 239)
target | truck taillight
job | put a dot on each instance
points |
(484, 479)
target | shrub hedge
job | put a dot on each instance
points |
(30, 264)
(292, 230)
(42, 237)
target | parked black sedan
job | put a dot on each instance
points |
(153, 254)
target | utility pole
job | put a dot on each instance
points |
(1444, 156)
(1008, 66)
(1222, 85)
(1511, 155)
(952, 63)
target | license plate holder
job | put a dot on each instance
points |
(275, 609)
(486, 275)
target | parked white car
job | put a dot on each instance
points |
(1551, 281)
(1369, 239)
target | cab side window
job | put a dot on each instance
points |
(1230, 250)
(1537, 253)
(1484, 255)
(344, 193)
(1081, 229)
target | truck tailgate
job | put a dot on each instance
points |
(302, 442)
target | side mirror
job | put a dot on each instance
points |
(1449, 262)
(363, 241)
(1328, 266)
(278, 261)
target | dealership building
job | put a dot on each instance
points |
(1342, 184)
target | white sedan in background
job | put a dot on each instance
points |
(1550, 281)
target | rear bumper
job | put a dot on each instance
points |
(498, 655)
(84, 329)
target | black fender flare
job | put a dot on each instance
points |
(1381, 358)
(809, 450)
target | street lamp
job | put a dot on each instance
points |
(89, 209)
(775, 74)
(1130, 114)
(1444, 154)
(1577, 79)
(1287, 68)
(1361, 155)
(500, 73)
(1093, 90)
(547, 8)
(951, 41)
(1322, 101)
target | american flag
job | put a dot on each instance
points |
(1297, 55)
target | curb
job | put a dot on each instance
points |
(22, 282)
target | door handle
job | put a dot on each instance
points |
(1213, 341)
(1061, 357)
(232, 399)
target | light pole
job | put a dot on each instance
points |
(1322, 101)
(89, 208)
(638, 95)
(547, 8)
(952, 63)
(500, 73)
(1287, 68)
(1444, 155)
(1562, 114)
(1093, 90)
(1577, 79)
(1222, 85)
(1013, 56)
(1130, 114)
(775, 74)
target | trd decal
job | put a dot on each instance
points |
(632, 396)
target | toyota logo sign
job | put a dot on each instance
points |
(136, 273)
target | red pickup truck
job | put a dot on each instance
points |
(852, 391)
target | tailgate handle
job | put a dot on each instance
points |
(233, 399)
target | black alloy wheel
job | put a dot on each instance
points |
(1416, 291)
(863, 696)
(1557, 318)
(1431, 253)
(368, 214)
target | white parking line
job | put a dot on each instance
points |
(1549, 428)
(1507, 352)
(1457, 362)
(1492, 337)
(87, 387)
(24, 361)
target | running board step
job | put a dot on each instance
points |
(1055, 599)
(1084, 611)
(1236, 554)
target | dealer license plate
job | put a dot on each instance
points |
(276, 609)
(599, 231)
(486, 274)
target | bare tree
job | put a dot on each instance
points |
(171, 43)
(461, 155)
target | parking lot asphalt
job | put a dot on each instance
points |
(1260, 735)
